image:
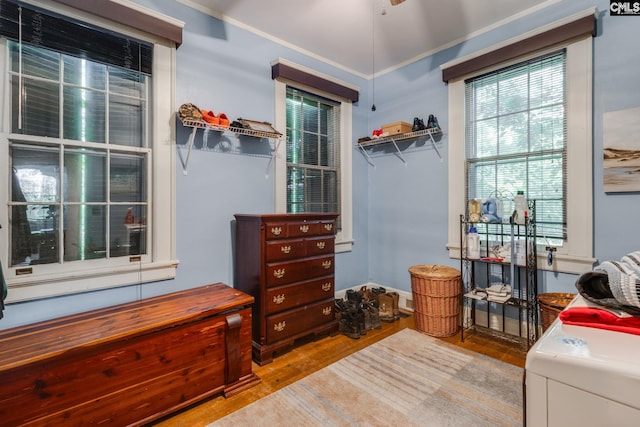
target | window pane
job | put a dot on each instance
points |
(513, 135)
(85, 176)
(293, 146)
(35, 188)
(126, 121)
(310, 111)
(128, 230)
(84, 73)
(36, 62)
(295, 190)
(547, 127)
(84, 115)
(126, 82)
(44, 233)
(84, 232)
(40, 108)
(310, 149)
(513, 92)
(330, 189)
(128, 178)
(486, 135)
(313, 190)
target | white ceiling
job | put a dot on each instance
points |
(340, 31)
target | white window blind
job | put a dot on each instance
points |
(516, 133)
(313, 156)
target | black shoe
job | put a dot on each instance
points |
(418, 124)
(354, 297)
(432, 122)
(374, 314)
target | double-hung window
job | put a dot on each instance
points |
(516, 140)
(313, 159)
(520, 118)
(313, 163)
(80, 147)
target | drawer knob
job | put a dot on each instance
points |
(320, 245)
(326, 264)
(279, 274)
(276, 230)
(326, 311)
(279, 327)
(285, 249)
(304, 228)
(328, 227)
(326, 286)
(278, 299)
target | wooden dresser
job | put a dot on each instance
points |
(127, 364)
(286, 262)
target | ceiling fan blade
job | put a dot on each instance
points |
(396, 2)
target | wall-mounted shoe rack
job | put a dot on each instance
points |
(198, 124)
(431, 134)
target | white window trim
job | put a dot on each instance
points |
(88, 275)
(576, 256)
(344, 237)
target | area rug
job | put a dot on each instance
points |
(406, 379)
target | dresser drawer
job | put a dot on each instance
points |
(289, 296)
(286, 249)
(298, 320)
(320, 245)
(284, 230)
(280, 273)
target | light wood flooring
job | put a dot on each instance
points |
(308, 356)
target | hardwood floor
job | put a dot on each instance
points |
(308, 356)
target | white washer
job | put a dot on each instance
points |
(582, 376)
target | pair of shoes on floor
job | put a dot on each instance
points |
(389, 308)
(387, 303)
(220, 120)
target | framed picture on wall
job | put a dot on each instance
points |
(621, 151)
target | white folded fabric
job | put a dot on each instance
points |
(498, 290)
(499, 298)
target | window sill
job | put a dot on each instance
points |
(26, 289)
(344, 246)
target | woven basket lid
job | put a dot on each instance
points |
(434, 271)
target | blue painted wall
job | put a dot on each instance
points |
(399, 210)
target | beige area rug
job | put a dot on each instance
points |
(406, 379)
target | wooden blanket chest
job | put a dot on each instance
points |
(127, 364)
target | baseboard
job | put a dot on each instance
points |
(405, 303)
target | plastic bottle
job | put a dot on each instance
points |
(521, 207)
(473, 244)
(129, 218)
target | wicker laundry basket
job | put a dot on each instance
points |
(551, 304)
(436, 299)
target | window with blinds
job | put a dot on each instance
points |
(516, 132)
(313, 160)
(79, 144)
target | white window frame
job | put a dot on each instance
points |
(576, 255)
(344, 237)
(159, 263)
